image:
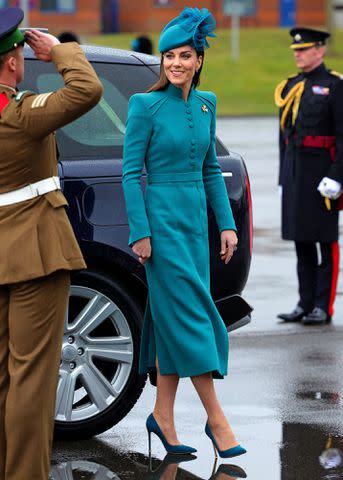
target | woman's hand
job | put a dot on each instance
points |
(229, 242)
(142, 248)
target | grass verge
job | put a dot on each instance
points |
(247, 86)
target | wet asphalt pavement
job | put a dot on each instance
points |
(284, 392)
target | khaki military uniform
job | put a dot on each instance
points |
(37, 249)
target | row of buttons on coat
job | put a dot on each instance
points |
(191, 125)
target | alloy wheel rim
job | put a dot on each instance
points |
(96, 356)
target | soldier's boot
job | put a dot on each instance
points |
(318, 316)
(295, 316)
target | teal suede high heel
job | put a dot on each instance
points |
(152, 427)
(230, 452)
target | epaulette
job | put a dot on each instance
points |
(20, 95)
(292, 76)
(336, 74)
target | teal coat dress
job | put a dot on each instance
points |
(175, 141)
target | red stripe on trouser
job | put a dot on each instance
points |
(334, 277)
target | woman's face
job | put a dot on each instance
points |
(180, 65)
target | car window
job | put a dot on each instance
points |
(99, 133)
(104, 125)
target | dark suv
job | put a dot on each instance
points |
(99, 381)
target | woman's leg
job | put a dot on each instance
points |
(217, 421)
(164, 405)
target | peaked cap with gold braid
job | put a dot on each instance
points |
(304, 37)
(290, 101)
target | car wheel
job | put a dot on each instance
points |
(98, 378)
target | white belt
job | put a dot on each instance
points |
(31, 191)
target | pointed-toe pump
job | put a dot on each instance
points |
(152, 427)
(230, 452)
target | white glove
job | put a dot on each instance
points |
(330, 188)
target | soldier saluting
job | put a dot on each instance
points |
(37, 245)
(311, 173)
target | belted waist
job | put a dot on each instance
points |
(316, 141)
(174, 177)
(319, 141)
(31, 191)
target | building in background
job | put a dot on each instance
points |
(79, 16)
(150, 15)
(95, 16)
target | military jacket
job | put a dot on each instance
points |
(305, 216)
(35, 235)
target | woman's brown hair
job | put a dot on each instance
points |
(163, 81)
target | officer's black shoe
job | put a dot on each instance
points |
(318, 316)
(295, 316)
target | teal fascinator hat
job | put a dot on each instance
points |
(191, 27)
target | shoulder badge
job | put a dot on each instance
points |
(40, 100)
(20, 95)
(336, 74)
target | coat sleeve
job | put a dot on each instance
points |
(137, 137)
(214, 183)
(336, 169)
(40, 115)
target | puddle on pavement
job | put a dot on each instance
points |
(309, 453)
(306, 452)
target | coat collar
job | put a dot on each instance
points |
(176, 92)
(315, 72)
(4, 87)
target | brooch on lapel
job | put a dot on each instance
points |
(204, 109)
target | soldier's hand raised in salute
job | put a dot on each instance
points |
(41, 43)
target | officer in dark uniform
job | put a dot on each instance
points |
(311, 173)
(38, 247)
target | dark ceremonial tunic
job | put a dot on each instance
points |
(304, 161)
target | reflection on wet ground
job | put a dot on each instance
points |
(310, 453)
(284, 398)
(113, 465)
(306, 453)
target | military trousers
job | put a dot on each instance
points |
(32, 317)
(317, 274)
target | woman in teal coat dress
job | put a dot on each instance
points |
(171, 131)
